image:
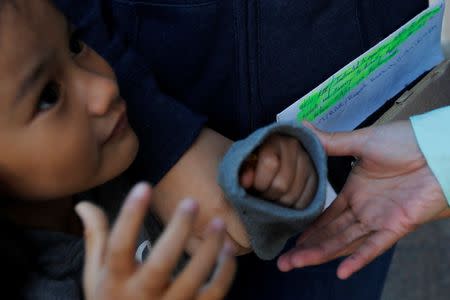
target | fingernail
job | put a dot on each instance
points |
(217, 224)
(139, 190)
(78, 208)
(342, 274)
(79, 211)
(283, 264)
(189, 205)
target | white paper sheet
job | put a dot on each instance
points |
(355, 92)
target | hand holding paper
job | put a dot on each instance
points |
(390, 192)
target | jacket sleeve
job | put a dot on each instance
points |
(165, 127)
(270, 225)
(432, 134)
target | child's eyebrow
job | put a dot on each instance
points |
(33, 76)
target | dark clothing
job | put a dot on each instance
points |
(57, 266)
(232, 65)
(57, 258)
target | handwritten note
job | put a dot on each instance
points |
(348, 97)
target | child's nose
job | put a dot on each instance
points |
(104, 92)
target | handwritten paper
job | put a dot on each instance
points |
(348, 97)
(355, 92)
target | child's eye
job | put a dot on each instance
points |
(49, 97)
(75, 45)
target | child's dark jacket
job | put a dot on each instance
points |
(227, 64)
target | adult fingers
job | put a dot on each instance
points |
(341, 143)
(95, 234)
(194, 275)
(335, 227)
(122, 241)
(282, 182)
(158, 267)
(311, 248)
(222, 278)
(373, 247)
(327, 250)
(330, 214)
(287, 265)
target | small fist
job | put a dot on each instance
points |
(280, 170)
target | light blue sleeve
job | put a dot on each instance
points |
(432, 131)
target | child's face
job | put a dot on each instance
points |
(63, 127)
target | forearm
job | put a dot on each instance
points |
(194, 175)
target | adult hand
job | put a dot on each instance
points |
(111, 272)
(388, 194)
(195, 176)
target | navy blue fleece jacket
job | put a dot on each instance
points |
(229, 65)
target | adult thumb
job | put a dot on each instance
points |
(340, 143)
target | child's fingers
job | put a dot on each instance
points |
(194, 275)
(122, 241)
(247, 172)
(268, 165)
(157, 269)
(95, 234)
(308, 192)
(247, 177)
(222, 278)
(282, 182)
(298, 185)
(308, 178)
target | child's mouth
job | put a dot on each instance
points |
(120, 126)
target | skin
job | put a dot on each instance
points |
(195, 173)
(390, 192)
(59, 136)
(111, 272)
(59, 105)
(283, 173)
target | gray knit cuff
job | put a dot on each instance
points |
(268, 224)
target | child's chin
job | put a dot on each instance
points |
(125, 159)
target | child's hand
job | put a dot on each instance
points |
(281, 171)
(110, 271)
